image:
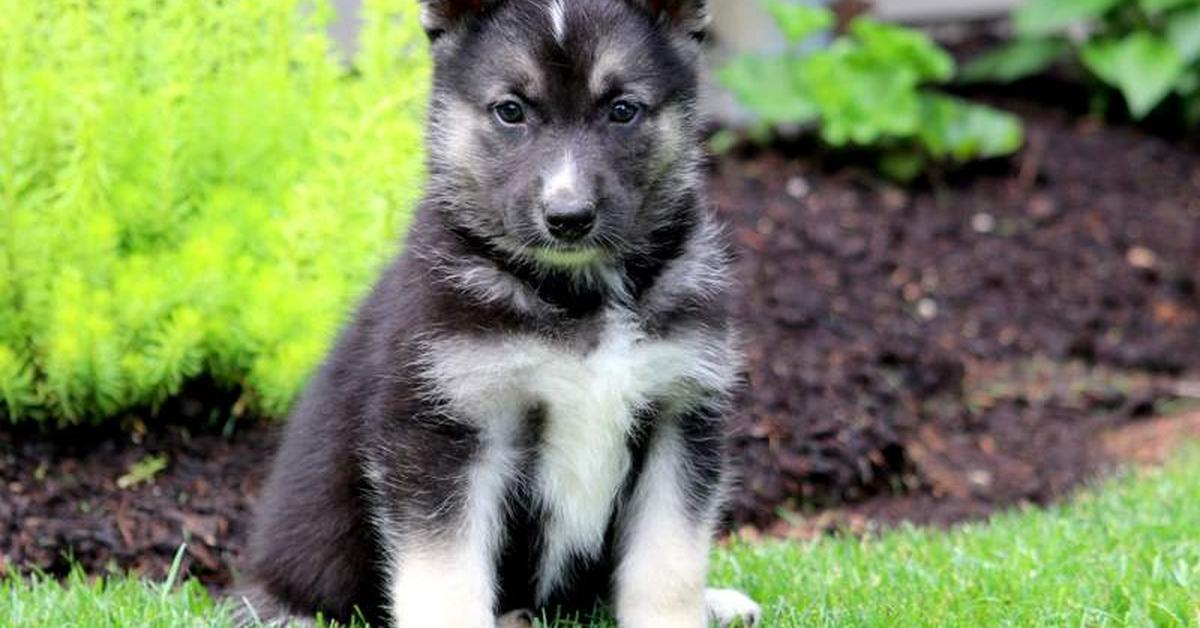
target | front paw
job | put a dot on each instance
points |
(516, 619)
(729, 609)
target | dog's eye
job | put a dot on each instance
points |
(509, 112)
(623, 112)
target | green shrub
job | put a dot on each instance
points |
(866, 90)
(1145, 49)
(192, 189)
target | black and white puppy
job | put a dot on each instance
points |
(526, 413)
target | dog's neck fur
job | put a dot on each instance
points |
(686, 251)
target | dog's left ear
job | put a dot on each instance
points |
(441, 16)
(691, 16)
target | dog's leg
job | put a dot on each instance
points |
(665, 536)
(731, 609)
(446, 583)
(666, 533)
(255, 608)
(444, 541)
(516, 619)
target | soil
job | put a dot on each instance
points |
(926, 355)
(69, 500)
(967, 340)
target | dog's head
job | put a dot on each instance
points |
(564, 132)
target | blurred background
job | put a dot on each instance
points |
(967, 237)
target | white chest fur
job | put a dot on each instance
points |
(590, 402)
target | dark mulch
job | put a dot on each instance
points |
(966, 341)
(62, 504)
(925, 355)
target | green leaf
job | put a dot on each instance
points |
(860, 100)
(1143, 67)
(1017, 60)
(961, 131)
(864, 89)
(1044, 17)
(890, 46)
(1183, 30)
(768, 87)
(800, 21)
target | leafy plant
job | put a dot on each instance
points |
(192, 189)
(867, 88)
(1145, 49)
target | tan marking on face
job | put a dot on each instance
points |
(523, 74)
(609, 59)
(456, 133)
(672, 140)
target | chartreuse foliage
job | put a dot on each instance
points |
(1125, 554)
(192, 189)
(867, 89)
(1147, 50)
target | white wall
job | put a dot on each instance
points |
(938, 10)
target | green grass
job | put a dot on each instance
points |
(1125, 554)
(1128, 555)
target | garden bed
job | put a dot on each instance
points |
(927, 355)
(966, 340)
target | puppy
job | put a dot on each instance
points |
(526, 412)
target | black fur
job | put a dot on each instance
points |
(369, 456)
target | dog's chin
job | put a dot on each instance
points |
(569, 258)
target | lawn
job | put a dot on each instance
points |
(1123, 554)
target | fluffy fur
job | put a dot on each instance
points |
(517, 419)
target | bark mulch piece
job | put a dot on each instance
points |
(1151, 443)
(925, 356)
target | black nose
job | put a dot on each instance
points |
(570, 221)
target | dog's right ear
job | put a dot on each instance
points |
(441, 16)
(691, 16)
